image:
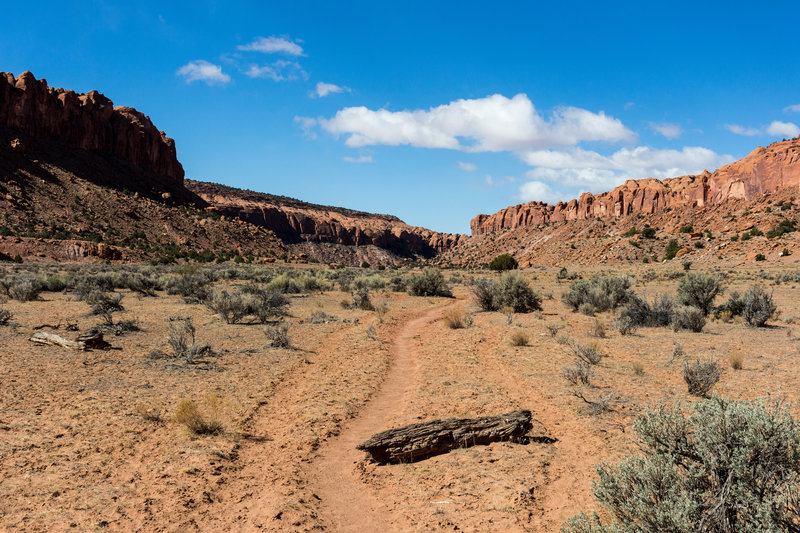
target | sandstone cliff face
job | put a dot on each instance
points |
(764, 170)
(86, 121)
(297, 222)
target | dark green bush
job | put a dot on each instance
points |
(648, 233)
(671, 249)
(503, 262)
(730, 466)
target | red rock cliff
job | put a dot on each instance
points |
(763, 170)
(87, 121)
(295, 221)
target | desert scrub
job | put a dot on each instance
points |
(578, 374)
(503, 262)
(203, 419)
(511, 290)
(640, 313)
(599, 329)
(589, 353)
(624, 325)
(520, 338)
(182, 340)
(5, 316)
(431, 282)
(599, 294)
(24, 289)
(729, 466)
(261, 304)
(701, 376)
(699, 290)
(457, 318)
(688, 317)
(278, 336)
(361, 300)
(736, 360)
(758, 306)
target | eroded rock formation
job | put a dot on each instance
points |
(763, 170)
(296, 222)
(86, 121)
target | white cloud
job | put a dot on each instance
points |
(498, 182)
(783, 129)
(792, 108)
(493, 123)
(629, 105)
(280, 70)
(273, 45)
(668, 130)
(741, 130)
(307, 124)
(203, 71)
(467, 167)
(359, 159)
(596, 173)
(324, 89)
(538, 191)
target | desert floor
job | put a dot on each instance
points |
(88, 439)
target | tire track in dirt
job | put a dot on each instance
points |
(346, 503)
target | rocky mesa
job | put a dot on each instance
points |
(85, 121)
(764, 170)
(297, 222)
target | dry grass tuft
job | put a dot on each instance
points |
(520, 338)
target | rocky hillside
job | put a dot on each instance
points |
(311, 225)
(764, 170)
(82, 179)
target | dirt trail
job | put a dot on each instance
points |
(346, 503)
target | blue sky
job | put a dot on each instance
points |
(431, 111)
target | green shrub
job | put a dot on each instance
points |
(688, 317)
(758, 306)
(429, 283)
(688, 228)
(671, 250)
(760, 257)
(599, 292)
(503, 262)
(641, 314)
(730, 466)
(648, 233)
(699, 290)
(513, 291)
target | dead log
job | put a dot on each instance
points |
(42, 337)
(92, 339)
(420, 441)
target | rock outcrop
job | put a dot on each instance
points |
(764, 170)
(86, 121)
(296, 222)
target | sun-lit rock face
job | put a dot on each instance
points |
(764, 170)
(86, 121)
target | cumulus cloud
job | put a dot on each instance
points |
(201, 70)
(359, 159)
(588, 170)
(324, 89)
(668, 130)
(493, 123)
(307, 124)
(273, 45)
(467, 167)
(783, 129)
(741, 130)
(538, 191)
(792, 108)
(280, 70)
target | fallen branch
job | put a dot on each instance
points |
(420, 441)
(42, 337)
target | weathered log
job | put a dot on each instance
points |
(92, 339)
(42, 337)
(420, 441)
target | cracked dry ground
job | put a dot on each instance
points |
(76, 454)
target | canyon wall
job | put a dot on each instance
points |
(763, 170)
(296, 222)
(86, 121)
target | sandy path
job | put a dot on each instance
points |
(346, 503)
